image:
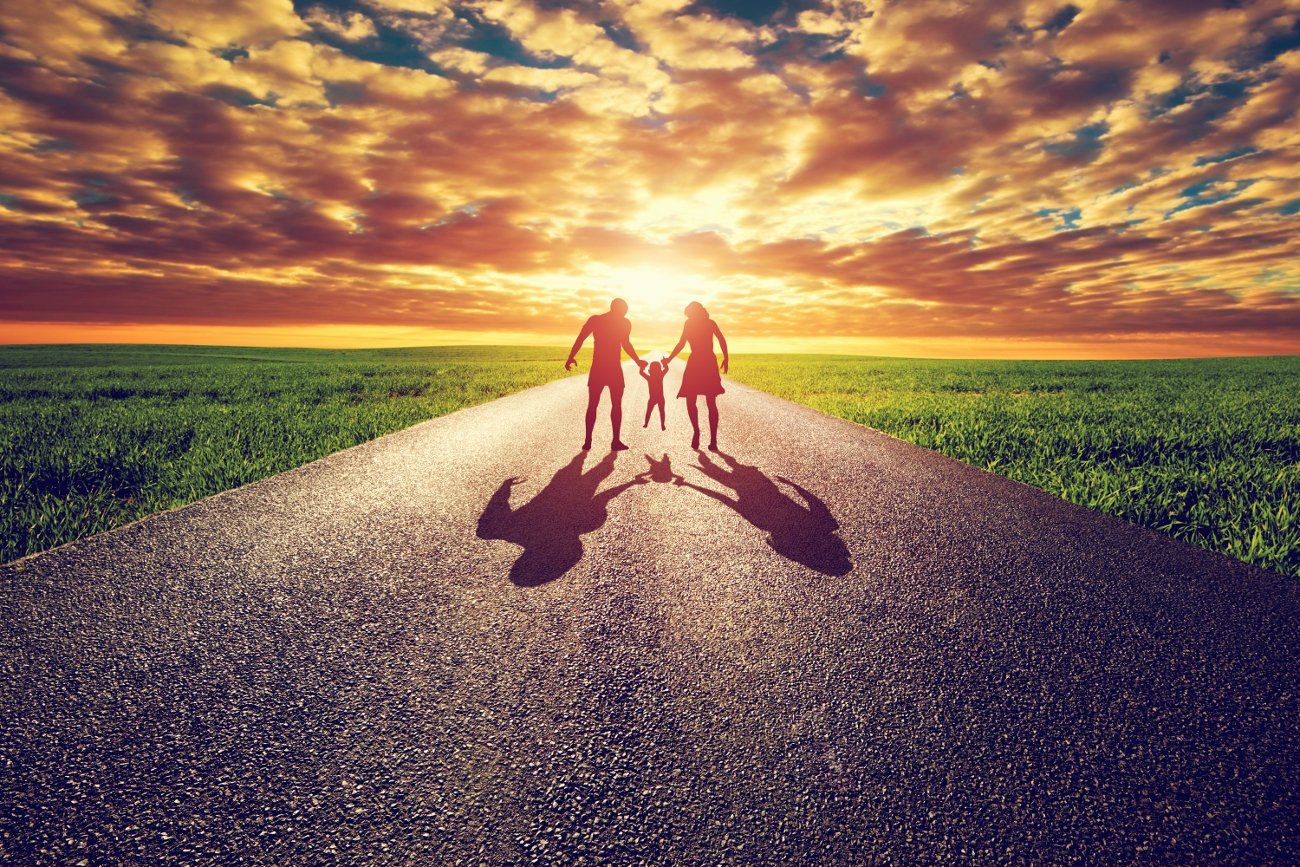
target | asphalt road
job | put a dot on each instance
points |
(823, 645)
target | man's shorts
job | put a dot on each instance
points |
(615, 387)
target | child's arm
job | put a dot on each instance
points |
(644, 375)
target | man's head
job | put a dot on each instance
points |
(618, 307)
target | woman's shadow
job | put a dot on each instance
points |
(550, 526)
(803, 532)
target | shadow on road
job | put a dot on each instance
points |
(550, 526)
(802, 532)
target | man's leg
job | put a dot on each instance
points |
(593, 401)
(616, 416)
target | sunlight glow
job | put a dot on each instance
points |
(658, 290)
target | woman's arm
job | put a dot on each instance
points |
(681, 344)
(722, 341)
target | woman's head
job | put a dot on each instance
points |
(695, 310)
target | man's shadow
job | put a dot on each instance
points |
(550, 526)
(803, 532)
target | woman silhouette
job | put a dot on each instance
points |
(701, 374)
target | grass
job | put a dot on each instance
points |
(93, 437)
(1207, 451)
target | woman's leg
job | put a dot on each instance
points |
(713, 421)
(694, 412)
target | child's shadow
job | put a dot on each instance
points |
(803, 532)
(550, 526)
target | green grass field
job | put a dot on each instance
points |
(92, 437)
(1207, 451)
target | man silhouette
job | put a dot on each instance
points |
(611, 335)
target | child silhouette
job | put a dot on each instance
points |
(654, 377)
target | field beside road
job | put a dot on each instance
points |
(1206, 450)
(93, 437)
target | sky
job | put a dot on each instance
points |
(995, 178)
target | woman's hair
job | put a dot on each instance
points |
(695, 310)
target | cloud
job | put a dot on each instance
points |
(1007, 169)
(348, 26)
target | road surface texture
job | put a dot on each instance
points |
(467, 642)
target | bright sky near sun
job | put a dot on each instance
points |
(933, 177)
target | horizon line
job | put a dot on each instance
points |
(559, 347)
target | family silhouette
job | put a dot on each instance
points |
(611, 336)
(550, 526)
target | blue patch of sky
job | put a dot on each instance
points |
(753, 11)
(1216, 99)
(1200, 194)
(1270, 48)
(301, 7)
(1226, 155)
(868, 88)
(344, 93)
(53, 145)
(1061, 19)
(8, 201)
(395, 46)
(1068, 218)
(237, 96)
(1290, 208)
(1085, 143)
(619, 35)
(491, 38)
(90, 197)
(469, 209)
(141, 30)
(389, 47)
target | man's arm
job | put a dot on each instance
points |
(627, 347)
(577, 344)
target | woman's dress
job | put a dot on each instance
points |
(701, 374)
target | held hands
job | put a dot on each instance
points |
(640, 363)
(725, 364)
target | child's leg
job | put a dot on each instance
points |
(662, 424)
(649, 407)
